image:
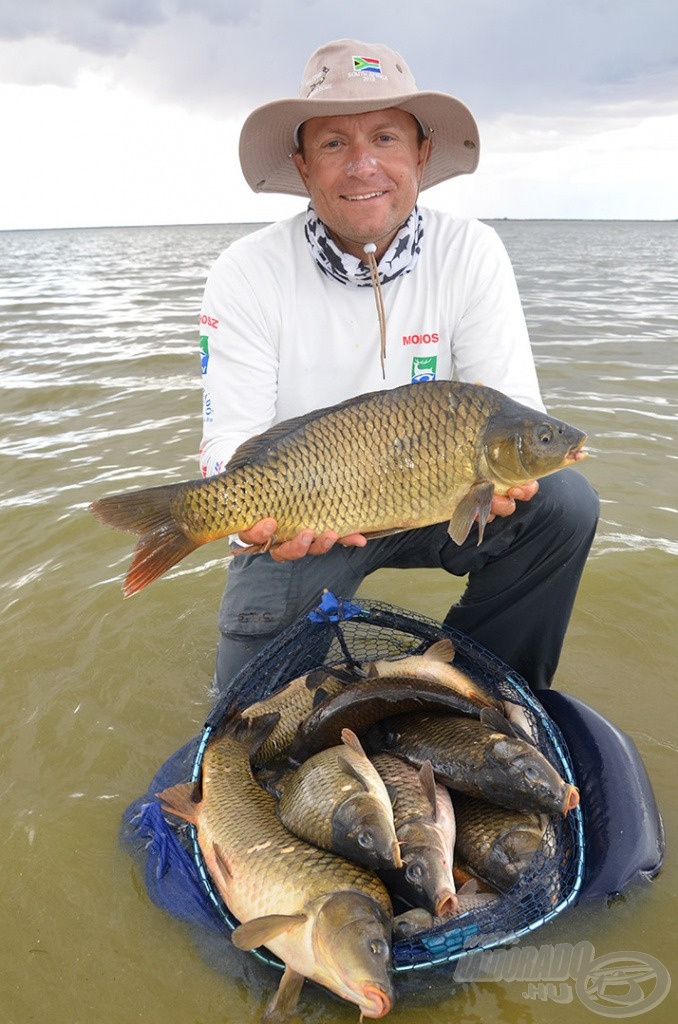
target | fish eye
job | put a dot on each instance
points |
(366, 839)
(545, 434)
(379, 947)
(532, 773)
(414, 872)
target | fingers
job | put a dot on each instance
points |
(505, 504)
(260, 534)
(305, 543)
(525, 492)
(292, 549)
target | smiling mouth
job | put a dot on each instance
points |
(365, 195)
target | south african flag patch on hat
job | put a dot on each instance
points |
(367, 64)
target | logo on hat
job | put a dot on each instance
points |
(371, 64)
(318, 80)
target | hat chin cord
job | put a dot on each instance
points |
(369, 249)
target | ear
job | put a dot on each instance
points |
(425, 152)
(300, 165)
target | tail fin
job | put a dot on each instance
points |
(162, 543)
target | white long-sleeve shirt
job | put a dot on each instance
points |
(280, 338)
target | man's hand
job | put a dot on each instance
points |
(305, 543)
(505, 504)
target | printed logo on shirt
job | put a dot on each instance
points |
(421, 339)
(209, 321)
(424, 368)
(204, 353)
(207, 407)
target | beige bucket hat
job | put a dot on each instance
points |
(352, 77)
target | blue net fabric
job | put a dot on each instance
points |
(361, 631)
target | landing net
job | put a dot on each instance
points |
(362, 631)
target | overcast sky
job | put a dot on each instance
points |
(129, 111)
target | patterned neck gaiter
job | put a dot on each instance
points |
(400, 258)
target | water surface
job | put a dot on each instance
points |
(100, 390)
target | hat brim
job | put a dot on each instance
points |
(267, 137)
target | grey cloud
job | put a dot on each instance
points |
(500, 56)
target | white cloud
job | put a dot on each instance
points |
(128, 111)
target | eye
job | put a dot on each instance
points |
(532, 773)
(545, 435)
(379, 947)
(414, 871)
(366, 839)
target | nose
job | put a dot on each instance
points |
(361, 163)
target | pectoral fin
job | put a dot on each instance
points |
(476, 502)
(261, 930)
(497, 722)
(352, 771)
(349, 739)
(284, 1002)
(428, 784)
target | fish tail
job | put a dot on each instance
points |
(163, 542)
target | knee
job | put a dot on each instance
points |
(568, 499)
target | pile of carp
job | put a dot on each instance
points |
(352, 790)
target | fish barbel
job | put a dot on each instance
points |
(376, 464)
(327, 918)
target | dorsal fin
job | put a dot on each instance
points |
(255, 447)
(441, 650)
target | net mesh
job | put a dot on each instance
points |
(359, 631)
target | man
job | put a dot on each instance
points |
(367, 290)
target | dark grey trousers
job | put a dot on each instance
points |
(522, 581)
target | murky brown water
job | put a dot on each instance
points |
(99, 380)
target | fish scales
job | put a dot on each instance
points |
(326, 918)
(355, 455)
(272, 870)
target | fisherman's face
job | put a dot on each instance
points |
(362, 172)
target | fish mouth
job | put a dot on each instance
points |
(577, 452)
(571, 800)
(447, 904)
(375, 1002)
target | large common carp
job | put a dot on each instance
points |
(425, 826)
(361, 704)
(435, 663)
(377, 464)
(496, 843)
(328, 919)
(478, 757)
(338, 801)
